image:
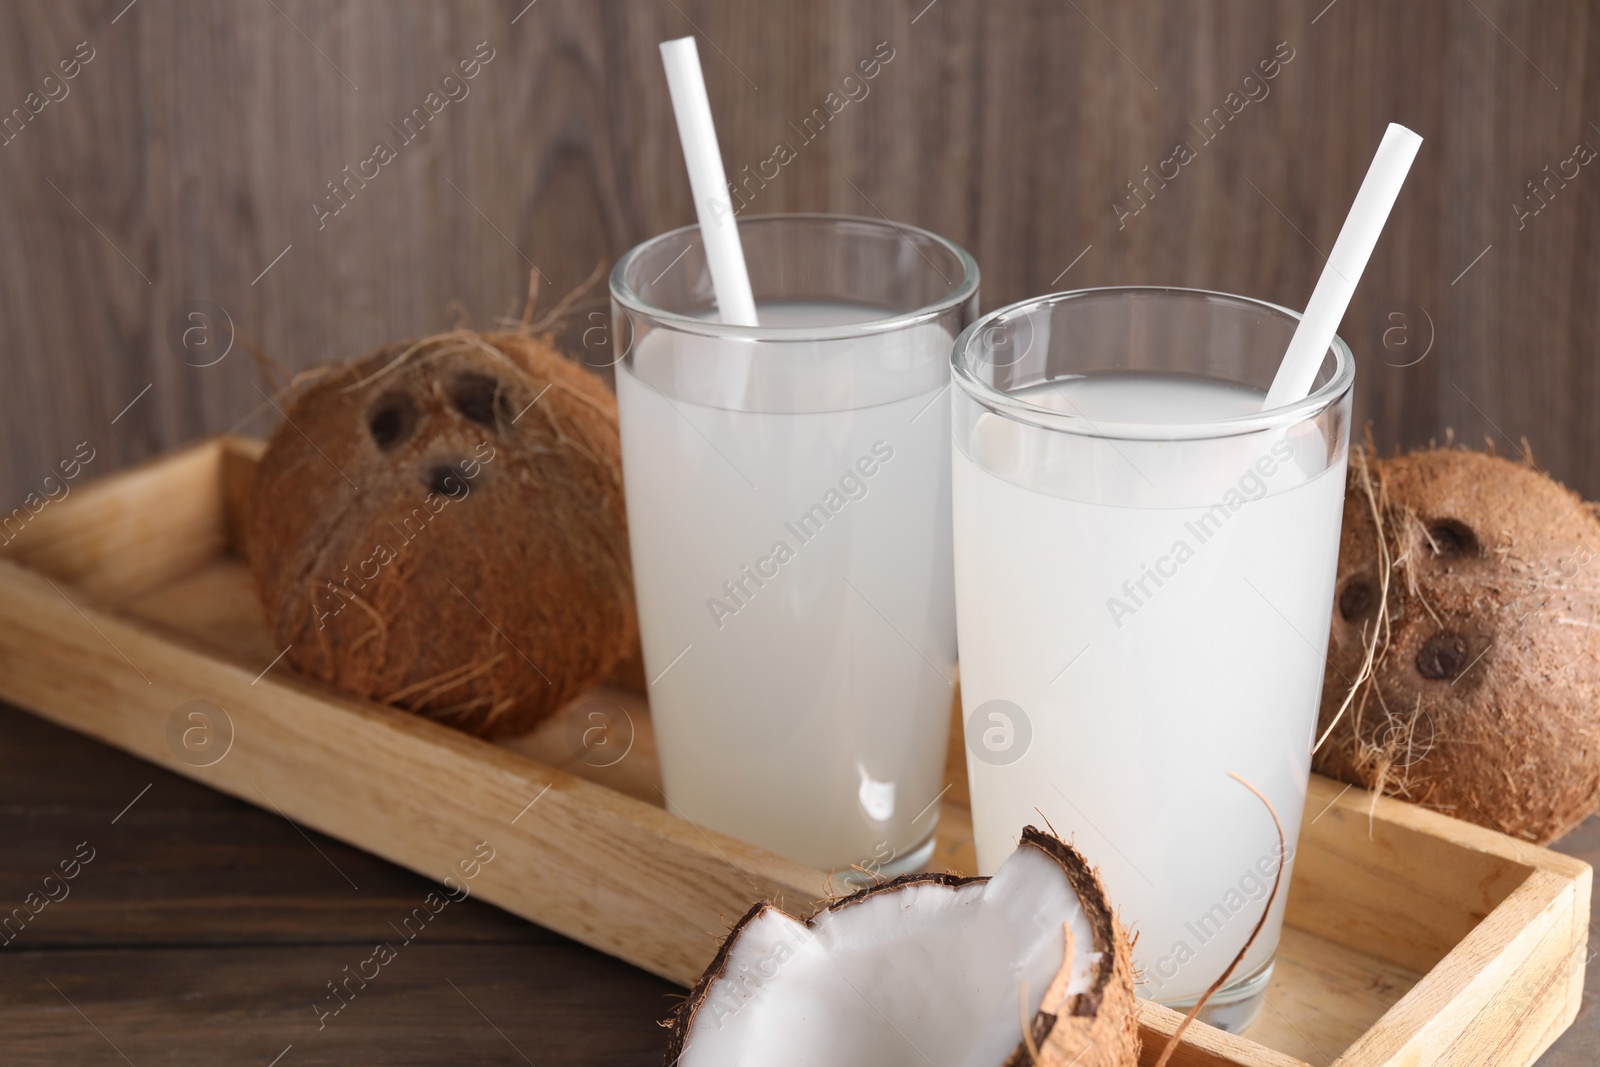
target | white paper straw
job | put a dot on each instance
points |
(1350, 254)
(718, 228)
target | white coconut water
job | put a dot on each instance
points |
(789, 515)
(1155, 615)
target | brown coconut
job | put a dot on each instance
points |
(1464, 658)
(1097, 1027)
(439, 525)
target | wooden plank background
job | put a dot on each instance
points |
(184, 159)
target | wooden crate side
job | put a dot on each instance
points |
(617, 874)
(1501, 996)
(1398, 882)
(1203, 1046)
(119, 536)
(1464, 835)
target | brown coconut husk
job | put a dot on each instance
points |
(439, 525)
(1464, 656)
(1100, 1027)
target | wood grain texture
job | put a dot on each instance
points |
(205, 929)
(438, 1003)
(187, 155)
(186, 865)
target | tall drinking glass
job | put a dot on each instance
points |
(788, 491)
(1144, 571)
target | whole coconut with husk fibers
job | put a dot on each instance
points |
(1029, 966)
(1464, 657)
(439, 525)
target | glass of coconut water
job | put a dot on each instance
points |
(1144, 570)
(788, 491)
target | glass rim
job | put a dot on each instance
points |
(961, 291)
(1048, 418)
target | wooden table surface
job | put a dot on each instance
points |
(207, 931)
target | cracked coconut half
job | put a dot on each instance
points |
(923, 969)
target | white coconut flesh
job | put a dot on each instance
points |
(917, 974)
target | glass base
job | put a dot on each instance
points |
(911, 860)
(1236, 1006)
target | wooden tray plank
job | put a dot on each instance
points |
(214, 605)
(1324, 996)
(1394, 879)
(1502, 995)
(615, 873)
(1203, 1046)
(118, 536)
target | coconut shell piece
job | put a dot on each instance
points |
(926, 964)
(1098, 1027)
(439, 525)
(1464, 658)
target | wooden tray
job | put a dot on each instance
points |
(1411, 938)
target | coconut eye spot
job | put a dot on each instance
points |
(1356, 599)
(448, 480)
(481, 398)
(392, 421)
(1443, 657)
(1450, 539)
